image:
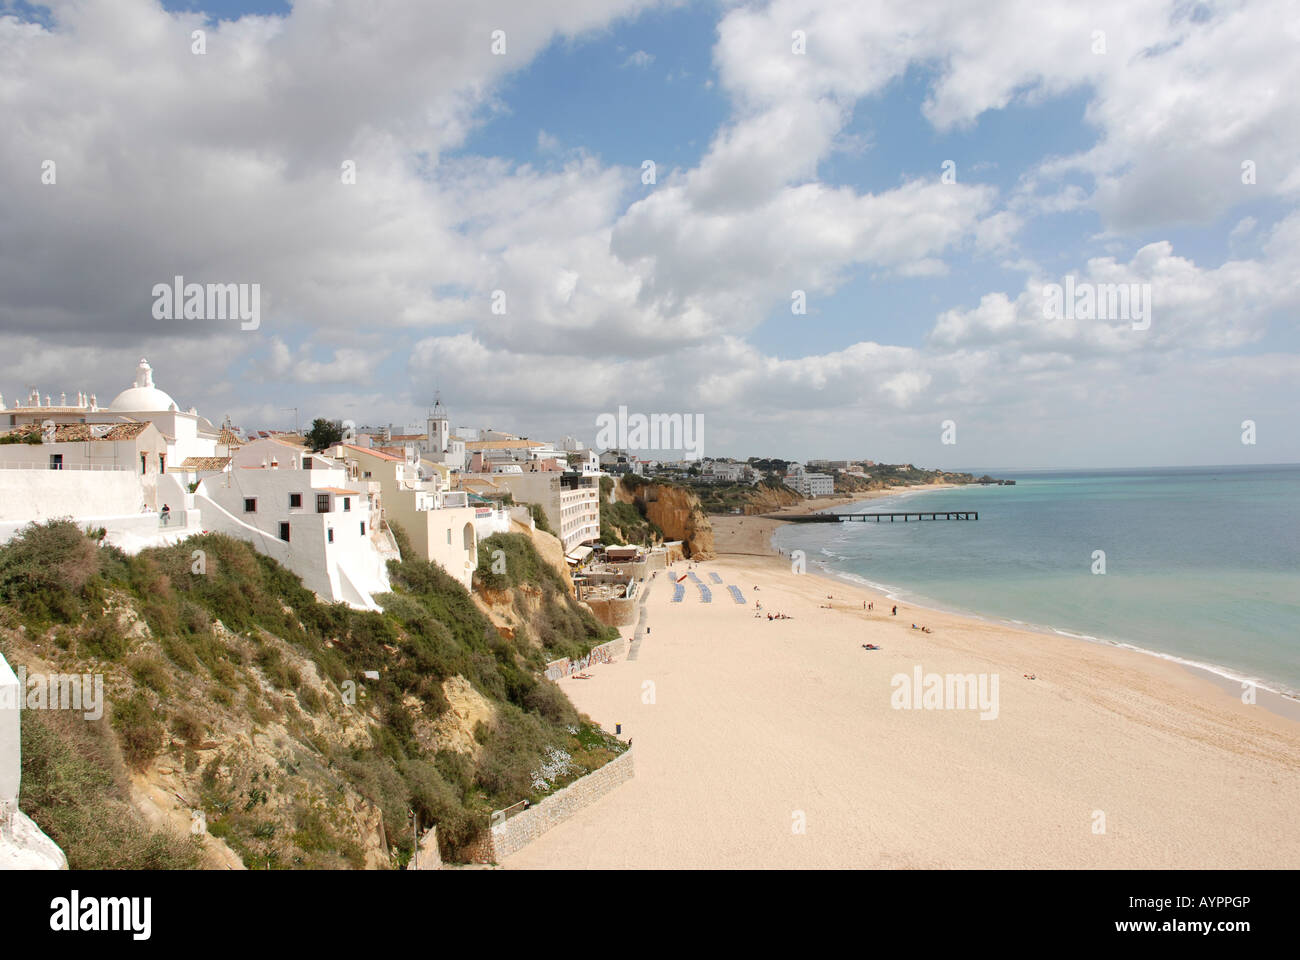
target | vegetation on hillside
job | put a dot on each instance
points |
(560, 625)
(218, 663)
(726, 497)
(539, 519)
(623, 523)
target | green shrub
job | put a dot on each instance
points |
(138, 730)
(188, 727)
(539, 518)
(149, 671)
(72, 790)
(103, 638)
(47, 569)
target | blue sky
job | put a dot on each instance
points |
(776, 172)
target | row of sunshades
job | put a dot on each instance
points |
(706, 595)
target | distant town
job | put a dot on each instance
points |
(323, 502)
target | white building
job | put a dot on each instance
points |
(439, 522)
(440, 444)
(119, 467)
(811, 484)
(187, 434)
(316, 522)
(570, 501)
(727, 472)
(101, 474)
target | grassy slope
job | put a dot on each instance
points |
(241, 680)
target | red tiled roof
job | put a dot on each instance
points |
(82, 432)
(374, 453)
(205, 463)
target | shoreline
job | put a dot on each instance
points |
(1226, 680)
(745, 725)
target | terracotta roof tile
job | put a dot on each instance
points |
(372, 452)
(205, 463)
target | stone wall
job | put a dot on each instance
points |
(27, 495)
(614, 611)
(605, 653)
(520, 830)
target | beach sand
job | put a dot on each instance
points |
(774, 743)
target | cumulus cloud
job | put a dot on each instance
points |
(238, 166)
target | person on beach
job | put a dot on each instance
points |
(894, 613)
(166, 514)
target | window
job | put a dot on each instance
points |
(284, 532)
(366, 474)
(329, 534)
(162, 463)
(306, 463)
(322, 503)
(144, 463)
(295, 501)
(347, 504)
(363, 528)
(449, 538)
(250, 504)
(56, 461)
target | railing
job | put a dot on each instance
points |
(33, 465)
(501, 816)
(176, 519)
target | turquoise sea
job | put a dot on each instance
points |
(1202, 563)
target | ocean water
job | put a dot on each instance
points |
(1202, 563)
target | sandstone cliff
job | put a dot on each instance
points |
(677, 512)
(767, 499)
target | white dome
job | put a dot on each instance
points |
(143, 399)
(143, 396)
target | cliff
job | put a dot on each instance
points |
(243, 723)
(524, 587)
(676, 511)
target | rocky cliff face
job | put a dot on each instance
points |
(770, 499)
(677, 512)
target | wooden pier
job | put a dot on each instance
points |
(904, 516)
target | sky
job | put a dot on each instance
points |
(854, 213)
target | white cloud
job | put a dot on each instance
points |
(227, 168)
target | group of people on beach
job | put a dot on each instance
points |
(922, 629)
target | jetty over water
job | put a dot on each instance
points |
(904, 516)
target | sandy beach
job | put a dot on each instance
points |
(776, 743)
